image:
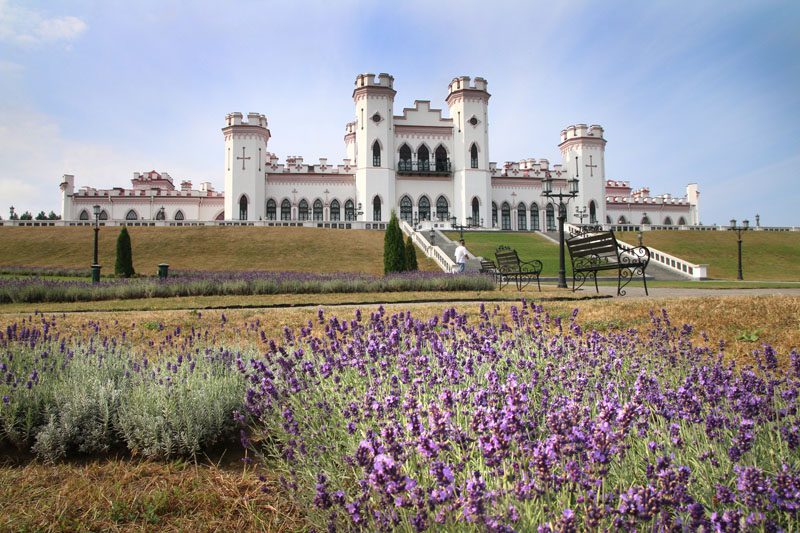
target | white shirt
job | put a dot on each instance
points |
(461, 254)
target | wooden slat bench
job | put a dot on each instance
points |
(488, 267)
(511, 268)
(595, 252)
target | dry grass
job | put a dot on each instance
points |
(202, 248)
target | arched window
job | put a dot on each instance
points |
(608, 219)
(160, 215)
(681, 221)
(442, 209)
(473, 156)
(442, 163)
(423, 159)
(645, 220)
(405, 158)
(376, 154)
(103, 215)
(424, 208)
(335, 210)
(243, 208)
(550, 217)
(272, 209)
(668, 221)
(84, 215)
(476, 212)
(179, 215)
(534, 217)
(406, 209)
(592, 212)
(494, 215)
(317, 209)
(506, 214)
(286, 210)
(302, 210)
(220, 216)
(376, 209)
(131, 215)
(349, 210)
(622, 220)
(522, 217)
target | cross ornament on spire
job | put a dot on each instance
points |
(243, 157)
(591, 167)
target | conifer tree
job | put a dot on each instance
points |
(124, 264)
(411, 255)
(394, 251)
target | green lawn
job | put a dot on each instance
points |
(528, 246)
(766, 255)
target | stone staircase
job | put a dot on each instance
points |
(449, 247)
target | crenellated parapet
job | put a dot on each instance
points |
(527, 168)
(372, 86)
(464, 88)
(294, 164)
(255, 126)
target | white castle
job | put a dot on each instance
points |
(425, 166)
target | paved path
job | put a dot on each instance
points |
(632, 291)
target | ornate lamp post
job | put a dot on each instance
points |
(739, 229)
(547, 191)
(459, 227)
(580, 213)
(95, 265)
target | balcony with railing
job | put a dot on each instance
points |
(424, 167)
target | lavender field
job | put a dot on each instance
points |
(457, 421)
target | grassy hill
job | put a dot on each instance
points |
(766, 255)
(202, 248)
(528, 246)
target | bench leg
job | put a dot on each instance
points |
(596, 288)
(644, 280)
(539, 285)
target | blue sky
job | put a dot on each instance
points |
(705, 92)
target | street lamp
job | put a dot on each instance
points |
(580, 213)
(432, 235)
(547, 191)
(739, 229)
(95, 265)
(459, 227)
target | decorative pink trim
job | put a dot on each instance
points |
(433, 130)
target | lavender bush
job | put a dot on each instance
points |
(34, 290)
(398, 423)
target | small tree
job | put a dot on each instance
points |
(411, 255)
(124, 264)
(41, 216)
(52, 216)
(394, 251)
(26, 216)
(12, 214)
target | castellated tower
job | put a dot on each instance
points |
(374, 151)
(472, 186)
(245, 157)
(67, 187)
(583, 149)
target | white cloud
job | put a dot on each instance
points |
(26, 27)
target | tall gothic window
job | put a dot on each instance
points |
(473, 156)
(317, 209)
(160, 214)
(286, 210)
(103, 215)
(550, 217)
(668, 221)
(506, 214)
(476, 212)
(376, 209)
(405, 158)
(645, 220)
(179, 215)
(335, 210)
(442, 209)
(522, 217)
(376, 154)
(272, 209)
(406, 209)
(84, 215)
(302, 210)
(681, 221)
(494, 215)
(423, 159)
(243, 208)
(442, 163)
(622, 220)
(349, 210)
(534, 217)
(424, 208)
(592, 212)
(131, 215)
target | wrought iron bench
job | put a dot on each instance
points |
(598, 251)
(511, 268)
(488, 267)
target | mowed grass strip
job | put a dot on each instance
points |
(528, 245)
(202, 248)
(766, 255)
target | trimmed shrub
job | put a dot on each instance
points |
(394, 251)
(411, 255)
(124, 264)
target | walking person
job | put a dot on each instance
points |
(461, 257)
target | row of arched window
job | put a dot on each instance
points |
(132, 215)
(306, 211)
(440, 164)
(423, 208)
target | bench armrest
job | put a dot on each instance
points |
(534, 267)
(637, 254)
